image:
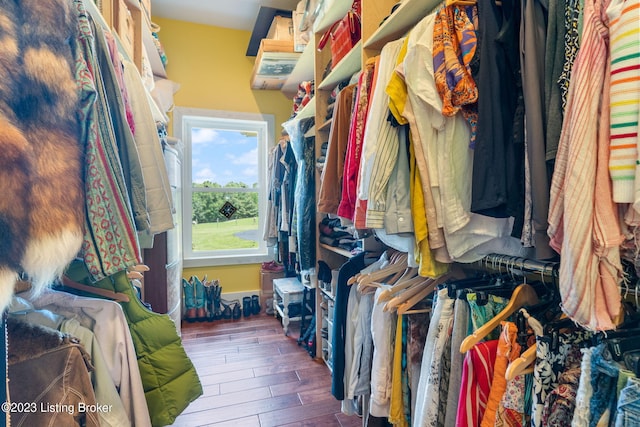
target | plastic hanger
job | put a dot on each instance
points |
(116, 296)
(524, 295)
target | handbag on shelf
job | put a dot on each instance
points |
(344, 34)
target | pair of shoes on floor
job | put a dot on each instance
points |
(194, 299)
(231, 309)
(272, 266)
(251, 305)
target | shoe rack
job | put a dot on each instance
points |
(379, 26)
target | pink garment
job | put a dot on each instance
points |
(583, 224)
(119, 70)
(477, 375)
(347, 206)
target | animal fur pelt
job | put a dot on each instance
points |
(41, 200)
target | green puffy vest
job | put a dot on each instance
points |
(169, 378)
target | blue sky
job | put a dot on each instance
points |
(223, 155)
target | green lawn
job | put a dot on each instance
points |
(222, 235)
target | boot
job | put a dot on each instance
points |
(255, 304)
(209, 294)
(217, 301)
(236, 313)
(246, 306)
(188, 293)
(201, 313)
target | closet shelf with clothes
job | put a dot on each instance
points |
(402, 16)
(344, 69)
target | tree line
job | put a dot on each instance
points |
(206, 205)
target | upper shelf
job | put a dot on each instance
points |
(303, 71)
(409, 13)
(157, 67)
(307, 111)
(332, 10)
(349, 65)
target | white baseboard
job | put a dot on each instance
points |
(231, 296)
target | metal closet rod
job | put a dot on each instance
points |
(506, 263)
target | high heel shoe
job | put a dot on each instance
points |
(226, 308)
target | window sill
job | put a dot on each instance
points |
(226, 260)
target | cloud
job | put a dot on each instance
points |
(205, 174)
(250, 172)
(207, 135)
(249, 158)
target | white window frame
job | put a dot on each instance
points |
(184, 120)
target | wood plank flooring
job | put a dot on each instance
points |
(255, 376)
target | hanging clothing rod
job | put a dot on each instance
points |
(513, 264)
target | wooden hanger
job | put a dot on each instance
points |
(399, 276)
(523, 295)
(139, 267)
(418, 311)
(376, 276)
(134, 275)
(353, 279)
(521, 365)
(116, 296)
(408, 293)
(424, 292)
(400, 285)
(460, 2)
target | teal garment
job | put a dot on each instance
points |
(169, 378)
(406, 391)
(481, 313)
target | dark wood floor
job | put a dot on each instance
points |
(253, 375)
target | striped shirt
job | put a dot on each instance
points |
(477, 375)
(583, 224)
(624, 43)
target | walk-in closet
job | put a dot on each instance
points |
(346, 213)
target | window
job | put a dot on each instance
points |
(224, 185)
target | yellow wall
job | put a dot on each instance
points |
(210, 65)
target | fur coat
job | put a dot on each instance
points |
(41, 205)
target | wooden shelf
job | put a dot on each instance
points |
(335, 250)
(344, 69)
(328, 295)
(302, 72)
(325, 126)
(332, 11)
(157, 67)
(409, 13)
(307, 111)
